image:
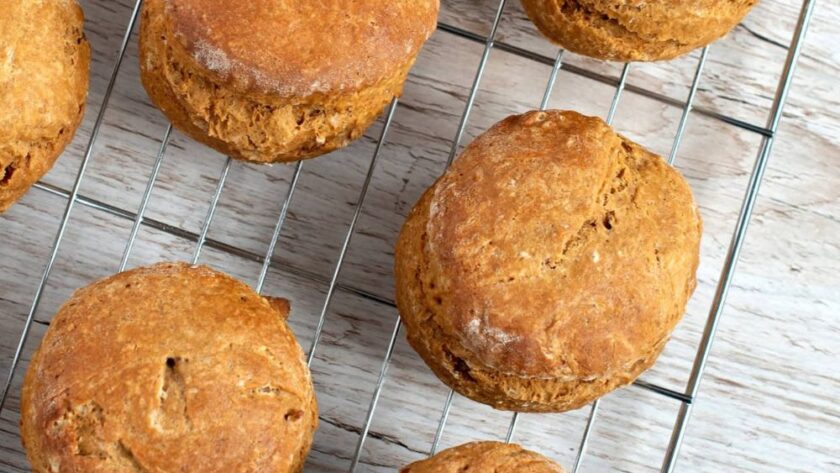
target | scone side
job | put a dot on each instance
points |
(30, 440)
(253, 126)
(597, 31)
(27, 162)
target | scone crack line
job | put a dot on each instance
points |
(172, 411)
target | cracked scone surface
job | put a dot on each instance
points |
(548, 265)
(44, 69)
(275, 80)
(483, 457)
(635, 30)
(168, 368)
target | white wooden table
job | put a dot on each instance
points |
(768, 402)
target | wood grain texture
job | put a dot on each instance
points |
(768, 402)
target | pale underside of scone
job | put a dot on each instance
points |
(635, 30)
(168, 368)
(253, 106)
(44, 68)
(482, 457)
(549, 265)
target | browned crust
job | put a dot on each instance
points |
(549, 265)
(483, 457)
(44, 69)
(169, 367)
(293, 49)
(634, 30)
(242, 119)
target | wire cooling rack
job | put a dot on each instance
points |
(685, 397)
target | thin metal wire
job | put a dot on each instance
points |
(587, 431)
(211, 212)
(619, 89)
(281, 220)
(728, 270)
(444, 416)
(552, 79)
(70, 203)
(350, 231)
(689, 103)
(479, 73)
(655, 388)
(512, 427)
(376, 393)
(144, 202)
(462, 125)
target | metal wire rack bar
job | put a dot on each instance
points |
(211, 212)
(147, 195)
(734, 251)
(356, 213)
(281, 220)
(209, 242)
(689, 104)
(201, 239)
(604, 79)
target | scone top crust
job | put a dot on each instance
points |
(44, 67)
(298, 47)
(483, 457)
(554, 247)
(168, 368)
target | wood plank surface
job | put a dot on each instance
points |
(768, 402)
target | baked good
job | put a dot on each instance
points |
(168, 368)
(44, 68)
(635, 30)
(270, 80)
(481, 457)
(548, 265)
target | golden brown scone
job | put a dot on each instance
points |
(635, 30)
(548, 265)
(485, 457)
(168, 368)
(44, 68)
(270, 80)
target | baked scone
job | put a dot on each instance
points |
(44, 69)
(279, 80)
(485, 457)
(548, 265)
(635, 30)
(168, 368)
